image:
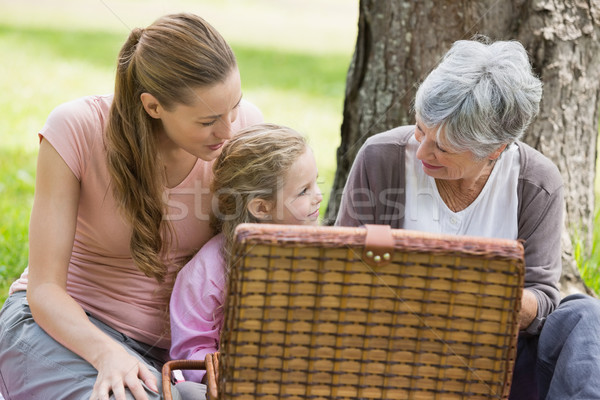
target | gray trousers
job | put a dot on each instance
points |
(35, 366)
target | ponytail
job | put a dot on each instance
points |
(168, 60)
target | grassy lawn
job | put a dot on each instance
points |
(16, 188)
(589, 266)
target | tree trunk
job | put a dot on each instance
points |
(400, 41)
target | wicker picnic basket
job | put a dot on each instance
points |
(368, 313)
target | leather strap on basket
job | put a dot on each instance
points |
(379, 245)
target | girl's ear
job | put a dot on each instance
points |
(261, 209)
(151, 105)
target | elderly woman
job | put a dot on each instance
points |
(462, 170)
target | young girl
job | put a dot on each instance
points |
(121, 202)
(265, 174)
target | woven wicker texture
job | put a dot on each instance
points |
(307, 318)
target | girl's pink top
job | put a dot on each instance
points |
(197, 306)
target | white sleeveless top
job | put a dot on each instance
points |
(492, 214)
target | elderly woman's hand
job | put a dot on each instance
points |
(529, 308)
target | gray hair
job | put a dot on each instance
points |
(481, 95)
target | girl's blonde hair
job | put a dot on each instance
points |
(252, 165)
(169, 59)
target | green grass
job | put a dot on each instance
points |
(17, 169)
(589, 265)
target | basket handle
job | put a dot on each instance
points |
(379, 245)
(212, 374)
(170, 366)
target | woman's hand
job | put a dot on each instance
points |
(529, 309)
(117, 370)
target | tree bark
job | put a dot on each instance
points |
(400, 41)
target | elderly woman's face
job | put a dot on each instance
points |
(440, 161)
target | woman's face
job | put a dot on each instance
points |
(202, 127)
(440, 161)
(299, 199)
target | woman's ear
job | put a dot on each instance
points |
(261, 209)
(151, 105)
(496, 153)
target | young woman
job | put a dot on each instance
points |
(121, 203)
(267, 173)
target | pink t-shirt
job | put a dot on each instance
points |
(197, 306)
(102, 277)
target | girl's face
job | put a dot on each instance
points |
(299, 199)
(203, 127)
(441, 162)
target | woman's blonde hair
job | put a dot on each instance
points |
(252, 165)
(169, 59)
